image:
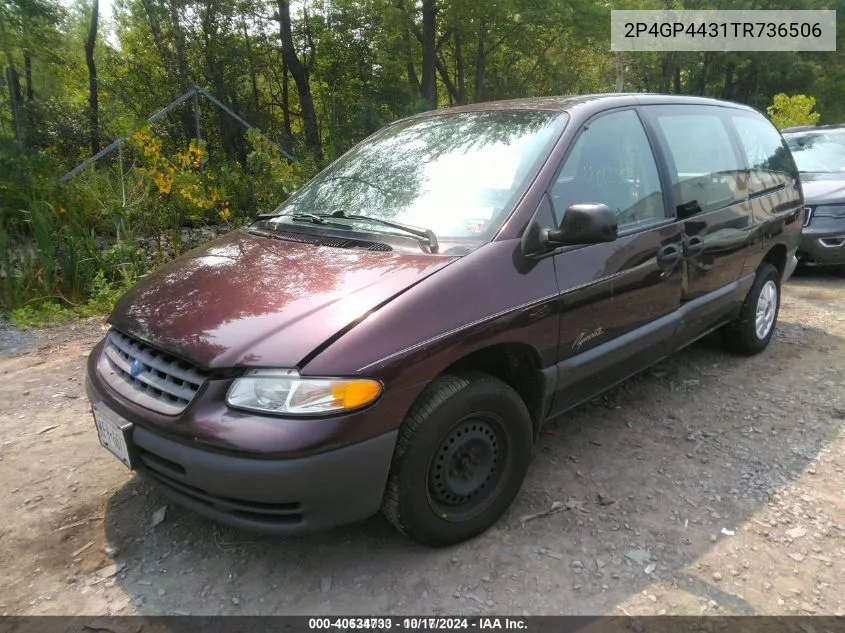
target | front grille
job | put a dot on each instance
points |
(160, 382)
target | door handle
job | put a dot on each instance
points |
(668, 256)
(694, 246)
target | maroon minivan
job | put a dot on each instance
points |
(393, 336)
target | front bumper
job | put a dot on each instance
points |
(266, 493)
(823, 242)
(282, 497)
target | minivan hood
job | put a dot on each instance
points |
(823, 188)
(244, 299)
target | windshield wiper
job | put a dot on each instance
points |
(302, 217)
(307, 217)
(426, 234)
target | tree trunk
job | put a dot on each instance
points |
(619, 64)
(300, 78)
(213, 70)
(459, 69)
(703, 77)
(182, 68)
(93, 103)
(27, 73)
(407, 51)
(252, 78)
(428, 87)
(728, 89)
(14, 98)
(447, 80)
(480, 59)
(286, 102)
(665, 72)
(155, 29)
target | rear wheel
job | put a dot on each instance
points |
(461, 456)
(751, 332)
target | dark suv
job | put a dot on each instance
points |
(394, 335)
(820, 155)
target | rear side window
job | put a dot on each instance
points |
(769, 161)
(704, 167)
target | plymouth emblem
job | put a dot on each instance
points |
(136, 368)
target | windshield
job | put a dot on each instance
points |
(458, 175)
(821, 151)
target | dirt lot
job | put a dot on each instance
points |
(712, 484)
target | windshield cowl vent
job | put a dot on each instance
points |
(321, 240)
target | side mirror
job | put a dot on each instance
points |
(585, 224)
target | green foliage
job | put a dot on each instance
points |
(67, 246)
(788, 111)
(41, 314)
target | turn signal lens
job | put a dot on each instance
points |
(356, 393)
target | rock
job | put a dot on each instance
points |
(650, 568)
(640, 556)
(577, 564)
(728, 532)
(158, 516)
(161, 593)
(796, 532)
(797, 557)
(604, 500)
(717, 576)
(111, 570)
(454, 560)
(235, 600)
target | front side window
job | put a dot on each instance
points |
(705, 169)
(458, 175)
(767, 156)
(611, 163)
(818, 151)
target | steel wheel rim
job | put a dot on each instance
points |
(767, 303)
(466, 468)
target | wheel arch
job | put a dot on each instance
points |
(519, 366)
(776, 256)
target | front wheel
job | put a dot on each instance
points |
(460, 459)
(752, 330)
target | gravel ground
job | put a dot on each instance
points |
(711, 484)
(12, 338)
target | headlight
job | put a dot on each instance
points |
(284, 392)
(830, 211)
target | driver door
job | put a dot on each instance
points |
(616, 299)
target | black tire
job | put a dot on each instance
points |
(741, 336)
(460, 459)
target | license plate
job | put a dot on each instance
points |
(114, 433)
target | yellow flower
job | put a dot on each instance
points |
(225, 214)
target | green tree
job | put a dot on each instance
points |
(787, 111)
